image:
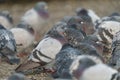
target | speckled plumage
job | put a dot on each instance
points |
(7, 45)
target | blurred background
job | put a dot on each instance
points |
(57, 9)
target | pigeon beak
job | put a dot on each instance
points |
(29, 67)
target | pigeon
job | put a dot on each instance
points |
(66, 56)
(17, 76)
(62, 61)
(78, 23)
(6, 19)
(112, 17)
(88, 16)
(8, 46)
(84, 67)
(114, 59)
(24, 36)
(36, 16)
(44, 53)
(105, 32)
(93, 40)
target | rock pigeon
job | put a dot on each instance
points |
(17, 76)
(24, 36)
(66, 56)
(112, 17)
(36, 16)
(105, 32)
(6, 19)
(93, 40)
(115, 58)
(88, 15)
(8, 45)
(63, 60)
(91, 68)
(44, 53)
(78, 23)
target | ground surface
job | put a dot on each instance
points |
(57, 9)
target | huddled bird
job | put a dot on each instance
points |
(66, 56)
(89, 16)
(36, 16)
(45, 51)
(8, 46)
(6, 19)
(91, 68)
(105, 32)
(24, 36)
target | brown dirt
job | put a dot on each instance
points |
(58, 9)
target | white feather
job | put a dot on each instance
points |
(75, 63)
(49, 47)
(98, 72)
(23, 37)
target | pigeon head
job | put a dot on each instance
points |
(60, 27)
(41, 8)
(84, 14)
(81, 63)
(76, 22)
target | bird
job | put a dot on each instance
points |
(8, 46)
(88, 16)
(67, 55)
(114, 59)
(84, 67)
(112, 17)
(17, 76)
(105, 32)
(36, 16)
(62, 61)
(78, 23)
(44, 53)
(24, 36)
(6, 19)
(93, 40)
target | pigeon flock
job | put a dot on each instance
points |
(79, 47)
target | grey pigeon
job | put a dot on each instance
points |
(44, 53)
(105, 32)
(66, 56)
(8, 45)
(88, 15)
(6, 19)
(90, 68)
(36, 17)
(24, 36)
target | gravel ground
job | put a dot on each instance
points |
(58, 9)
